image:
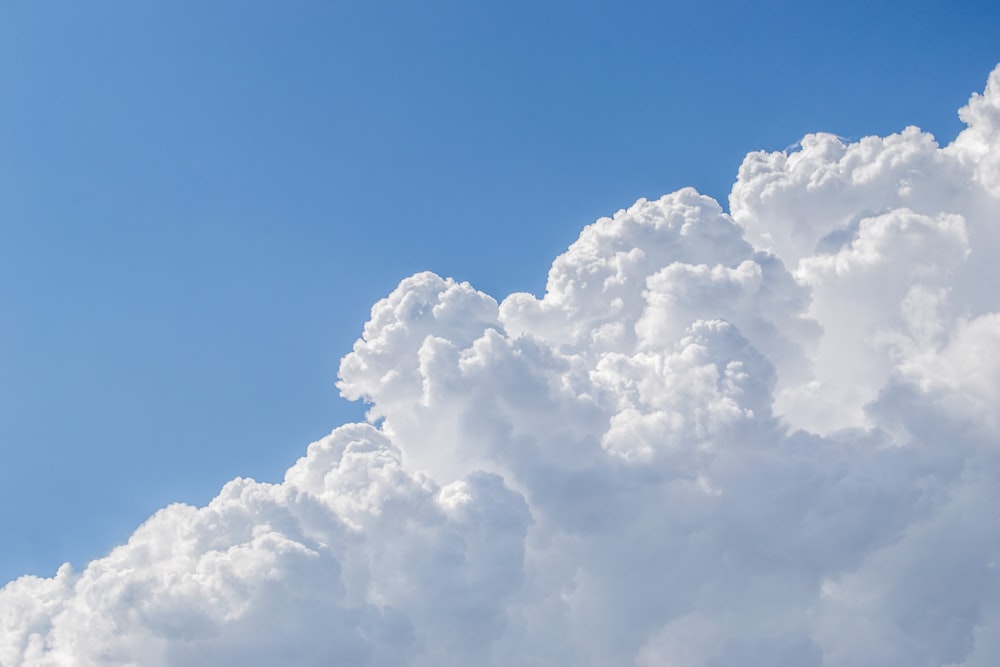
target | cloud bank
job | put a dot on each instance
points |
(764, 438)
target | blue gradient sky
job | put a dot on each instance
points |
(199, 202)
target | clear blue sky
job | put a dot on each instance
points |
(200, 201)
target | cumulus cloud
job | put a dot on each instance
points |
(756, 438)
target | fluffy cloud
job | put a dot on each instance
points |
(757, 438)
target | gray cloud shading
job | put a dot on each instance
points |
(760, 438)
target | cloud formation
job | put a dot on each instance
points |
(760, 438)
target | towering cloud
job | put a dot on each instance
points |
(768, 437)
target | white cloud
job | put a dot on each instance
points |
(690, 451)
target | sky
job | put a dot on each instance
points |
(200, 204)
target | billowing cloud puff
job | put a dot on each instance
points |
(767, 437)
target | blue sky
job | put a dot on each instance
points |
(199, 202)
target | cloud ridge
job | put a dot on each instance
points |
(756, 438)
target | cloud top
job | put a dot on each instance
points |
(757, 438)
